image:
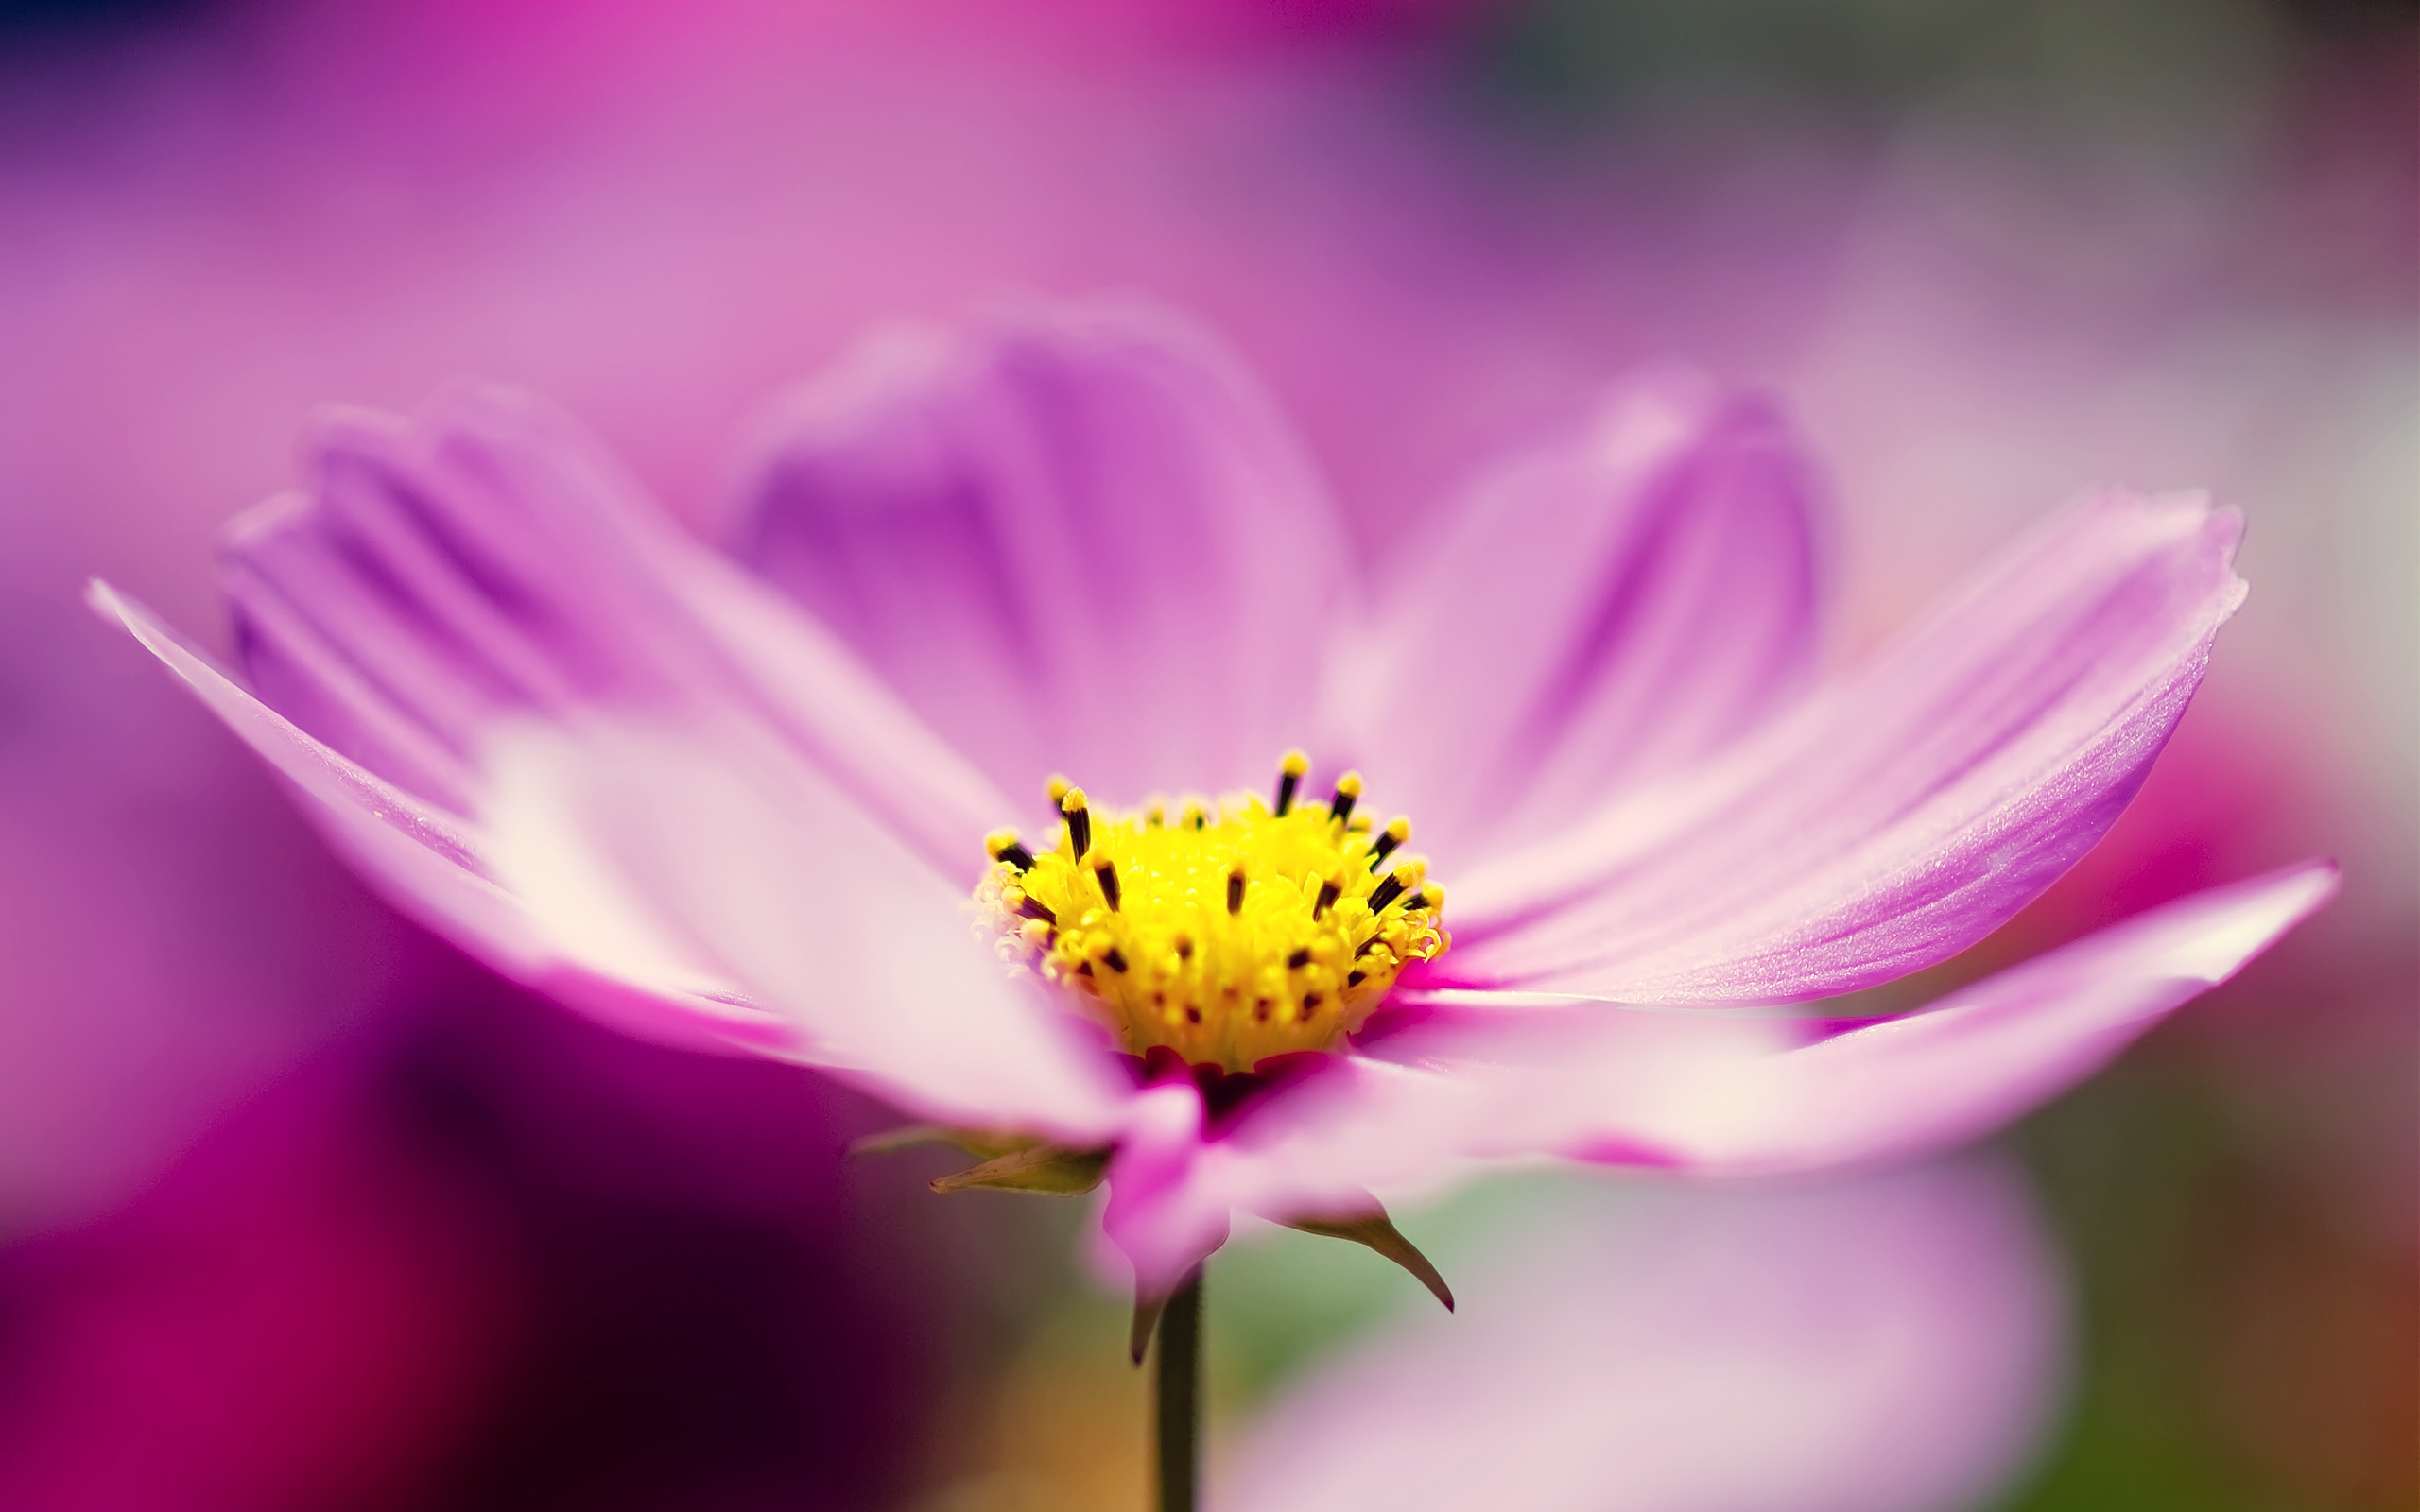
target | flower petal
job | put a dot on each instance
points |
(1079, 540)
(1899, 815)
(1987, 1054)
(1490, 1075)
(487, 562)
(1891, 1346)
(1159, 1143)
(641, 845)
(1601, 611)
(434, 865)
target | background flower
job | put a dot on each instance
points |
(1889, 1345)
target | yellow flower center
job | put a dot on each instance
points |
(1227, 934)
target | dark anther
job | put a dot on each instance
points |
(1310, 1004)
(1105, 873)
(1033, 908)
(1234, 892)
(1386, 892)
(1115, 959)
(1355, 978)
(1016, 855)
(1365, 947)
(1183, 948)
(1080, 823)
(1193, 1015)
(1298, 960)
(1348, 790)
(1328, 891)
(1384, 846)
(1418, 899)
(1288, 781)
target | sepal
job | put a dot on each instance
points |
(1038, 1167)
(1377, 1230)
(981, 1144)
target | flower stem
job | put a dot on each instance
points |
(1180, 1399)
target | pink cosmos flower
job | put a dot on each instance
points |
(744, 799)
(1891, 1344)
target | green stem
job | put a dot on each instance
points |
(1180, 1399)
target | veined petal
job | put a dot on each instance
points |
(639, 845)
(487, 562)
(1987, 1054)
(1081, 540)
(435, 865)
(1902, 814)
(1490, 1075)
(1598, 613)
(1894, 1344)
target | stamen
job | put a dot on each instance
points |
(1398, 830)
(1002, 845)
(1122, 914)
(1290, 777)
(1328, 891)
(1389, 891)
(1058, 789)
(1072, 808)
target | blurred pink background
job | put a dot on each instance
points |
(302, 1211)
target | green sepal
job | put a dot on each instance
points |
(1378, 1232)
(978, 1142)
(1043, 1168)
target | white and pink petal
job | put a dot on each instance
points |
(438, 866)
(642, 845)
(1897, 815)
(1074, 539)
(1487, 1076)
(1595, 613)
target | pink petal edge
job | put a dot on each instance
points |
(434, 865)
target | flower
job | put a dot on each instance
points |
(743, 800)
(1891, 1344)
